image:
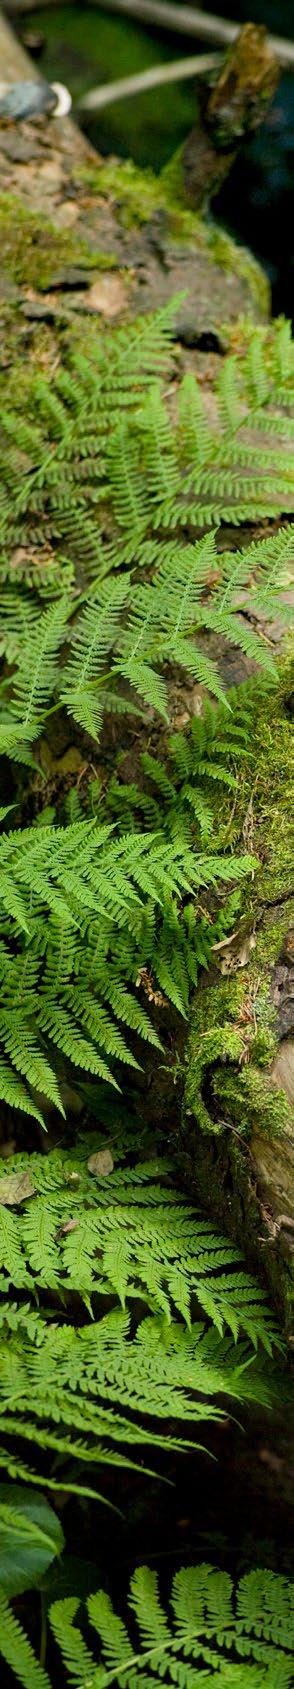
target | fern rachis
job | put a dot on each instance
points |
(225, 1635)
(153, 476)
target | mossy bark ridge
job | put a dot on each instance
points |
(238, 1132)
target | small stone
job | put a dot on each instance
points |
(107, 295)
(101, 1164)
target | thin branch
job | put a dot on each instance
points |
(180, 20)
(156, 77)
(188, 20)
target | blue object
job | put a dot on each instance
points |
(32, 99)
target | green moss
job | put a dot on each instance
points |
(136, 193)
(228, 1082)
(215, 1037)
(233, 1040)
(219, 245)
(34, 251)
(139, 194)
(226, 252)
(249, 1100)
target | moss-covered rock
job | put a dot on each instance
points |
(238, 1125)
(222, 278)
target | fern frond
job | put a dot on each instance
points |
(82, 912)
(139, 1237)
(38, 667)
(94, 638)
(211, 1632)
(101, 467)
(16, 1650)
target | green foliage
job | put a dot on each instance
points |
(128, 1234)
(79, 918)
(126, 1323)
(175, 1319)
(30, 1538)
(238, 1636)
(104, 472)
(177, 796)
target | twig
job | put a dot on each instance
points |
(179, 20)
(186, 20)
(156, 77)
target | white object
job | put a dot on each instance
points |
(64, 99)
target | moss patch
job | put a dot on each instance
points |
(139, 194)
(237, 1128)
(34, 252)
(233, 1040)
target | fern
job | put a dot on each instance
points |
(95, 1396)
(100, 1392)
(131, 1236)
(105, 495)
(112, 577)
(131, 632)
(17, 1651)
(160, 628)
(179, 798)
(81, 913)
(225, 1635)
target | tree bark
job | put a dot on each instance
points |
(237, 1135)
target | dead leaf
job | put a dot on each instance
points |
(224, 942)
(101, 1164)
(246, 948)
(69, 1226)
(237, 959)
(15, 1188)
(144, 980)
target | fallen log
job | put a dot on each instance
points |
(137, 222)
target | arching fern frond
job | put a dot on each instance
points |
(131, 1235)
(100, 469)
(211, 1632)
(82, 912)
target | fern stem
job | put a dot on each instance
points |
(43, 1636)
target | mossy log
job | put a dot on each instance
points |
(237, 1136)
(66, 215)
